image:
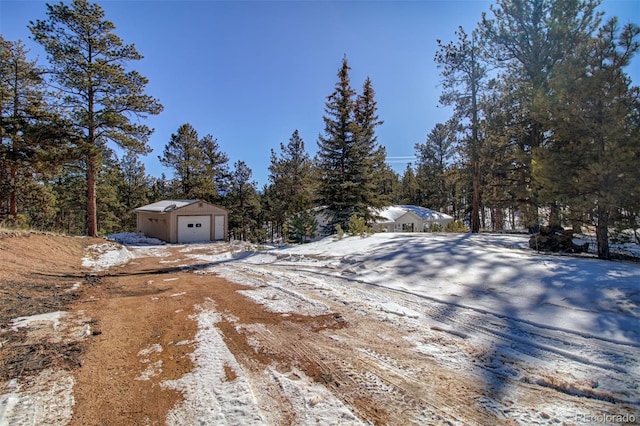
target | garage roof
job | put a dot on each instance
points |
(165, 206)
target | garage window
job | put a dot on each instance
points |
(190, 225)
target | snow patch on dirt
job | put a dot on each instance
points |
(314, 403)
(134, 239)
(53, 327)
(51, 318)
(44, 399)
(101, 257)
(153, 369)
(209, 398)
(150, 349)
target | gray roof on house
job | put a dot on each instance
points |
(165, 206)
(393, 213)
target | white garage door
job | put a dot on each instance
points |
(194, 228)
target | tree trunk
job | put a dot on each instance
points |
(498, 219)
(13, 203)
(13, 181)
(554, 215)
(92, 210)
(602, 234)
(475, 211)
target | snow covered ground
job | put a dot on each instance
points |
(485, 304)
(566, 323)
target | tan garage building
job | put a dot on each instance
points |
(183, 221)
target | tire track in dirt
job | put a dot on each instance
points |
(499, 334)
(360, 365)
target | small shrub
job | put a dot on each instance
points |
(16, 222)
(435, 227)
(357, 225)
(456, 226)
(339, 232)
(301, 227)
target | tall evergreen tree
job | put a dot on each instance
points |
(134, 189)
(27, 127)
(463, 75)
(410, 192)
(591, 161)
(434, 157)
(199, 164)
(290, 173)
(333, 152)
(243, 203)
(369, 157)
(182, 154)
(526, 40)
(215, 170)
(500, 158)
(349, 159)
(390, 185)
(88, 66)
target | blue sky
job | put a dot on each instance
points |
(251, 72)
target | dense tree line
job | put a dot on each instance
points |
(545, 128)
(552, 131)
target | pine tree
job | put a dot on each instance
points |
(591, 163)
(463, 76)
(215, 170)
(390, 185)
(410, 193)
(243, 203)
(27, 127)
(526, 41)
(182, 154)
(161, 188)
(88, 66)
(333, 158)
(369, 158)
(134, 190)
(290, 173)
(499, 157)
(434, 158)
(301, 226)
(199, 165)
(349, 160)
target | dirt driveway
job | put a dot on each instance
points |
(145, 331)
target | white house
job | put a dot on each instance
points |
(407, 218)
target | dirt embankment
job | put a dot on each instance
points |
(38, 274)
